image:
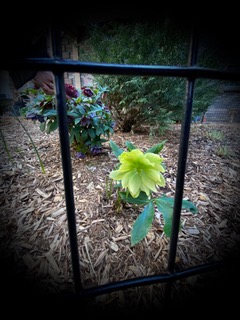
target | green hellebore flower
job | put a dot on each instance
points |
(139, 172)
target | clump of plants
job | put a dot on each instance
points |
(137, 178)
(90, 122)
(216, 135)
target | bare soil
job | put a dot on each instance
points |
(34, 228)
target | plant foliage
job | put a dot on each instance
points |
(90, 122)
(137, 178)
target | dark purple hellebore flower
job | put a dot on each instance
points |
(70, 120)
(34, 117)
(87, 92)
(95, 150)
(85, 121)
(80, 155)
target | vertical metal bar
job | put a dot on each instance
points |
(180, 175)
(66, 160)
(182, 160)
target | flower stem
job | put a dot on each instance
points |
(34, 146)
(5, 145)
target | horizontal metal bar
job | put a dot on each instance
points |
(148, 280)
(63, 65)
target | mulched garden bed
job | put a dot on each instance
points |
(34, 228)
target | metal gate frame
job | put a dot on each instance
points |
(192, 72)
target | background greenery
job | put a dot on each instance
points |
(153, 101)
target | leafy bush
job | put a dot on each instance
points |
(154, 101)
(90, 122)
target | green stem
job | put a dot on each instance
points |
(35, 149)
(5, 145)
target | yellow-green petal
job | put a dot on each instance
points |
(145, 162)
(148, 182)
(153, 157)
(126, 167)
(116, 175)
(139, 172)
(153, 174)
(134, 185)
(126, 177)
(130, 156)
(162, 181)
(145, 189)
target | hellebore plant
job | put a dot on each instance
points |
(137, 177)
(89, 120)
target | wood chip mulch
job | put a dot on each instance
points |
(34, 229)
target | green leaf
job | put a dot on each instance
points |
(115, 149)
(99, 131)
(93, 109)
(142, 224)
(42, 126)
(130, 146)
(53, 125)
(157, 147)
(165, 201)
(92, 133)
(50, 113)
(80, 109)
(75, 135)
(188, 205)
(165, 205)
(71, 137)
(167, 229)
(77, 121)
(73, 114)
(83, 135)
(96, 122)
(142, 199)
(164, 166)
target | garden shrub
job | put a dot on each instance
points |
(90, 122)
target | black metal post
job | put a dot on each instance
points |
(66, 160)
(182, 160)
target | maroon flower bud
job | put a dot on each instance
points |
(85, 121)
(71, 91)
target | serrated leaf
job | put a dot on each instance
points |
(167, 229)
(165, 205)
(166, 208)
(142, 199)
(130, 146)
(115, 149)
(188, 205)
(142, 224)
(157, 147)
